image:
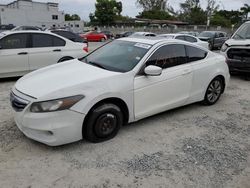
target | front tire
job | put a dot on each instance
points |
(214, 91)
(103, 40)
(103, 123)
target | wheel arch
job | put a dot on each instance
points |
(65, 58)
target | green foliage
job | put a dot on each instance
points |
(218, 20)
(155, 14)
(74, 17)
(245, 10)
(149, 5)
(106, 11)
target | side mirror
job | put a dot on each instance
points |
(152, 70)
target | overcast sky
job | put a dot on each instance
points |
(84, 7)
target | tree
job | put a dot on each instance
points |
(218, 20)
(155, 14)
(106, 11)
(149, 5)
(211, 8)
(74, 17)
(245, 10)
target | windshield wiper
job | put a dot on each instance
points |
(97, 65)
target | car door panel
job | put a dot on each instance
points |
(154, 94)
(14, 55)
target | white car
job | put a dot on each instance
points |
(94, 96)
(185, 37)
(143, 34)
(24, 51)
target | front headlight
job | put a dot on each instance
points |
(55, 105)
(224, 47)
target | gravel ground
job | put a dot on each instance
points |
(193, 146)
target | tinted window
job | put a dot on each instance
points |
(195, 54)
(44, 40)
(168, 56)
(180, 37)
(14, 41)
(71, 36)
(190, 39)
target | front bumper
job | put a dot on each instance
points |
(238, 66)
(53, 128)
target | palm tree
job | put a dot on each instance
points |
(245, 10)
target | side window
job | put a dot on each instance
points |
(221, 35)
(14, 41)
(190, 39)
(41, 40)
(58, 42)
(181, 37)
(195, 54)
(168, 56)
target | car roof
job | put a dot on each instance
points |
(143, 33)
(146, 40)
(177, 34)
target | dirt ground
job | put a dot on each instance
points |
(193, 146)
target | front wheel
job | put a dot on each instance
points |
(103, 40)
(103, 123)
(214, 91)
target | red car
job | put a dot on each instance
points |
(94, 36)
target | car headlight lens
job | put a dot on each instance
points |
(224, 47)
(55, 105)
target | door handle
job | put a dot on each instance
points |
(22, 53)
(57, 50)
(187, 71)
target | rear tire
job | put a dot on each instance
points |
(103, 123)
(214, 91)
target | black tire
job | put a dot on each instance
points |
(214, 91)
(102, 40)
(103, 123)
(65, 59)
(210, 46)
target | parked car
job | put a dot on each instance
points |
(193, 33)
(94, 36)
(25, 51)
(143, 34)
(124, 34)
(24, 28)
(109, 34)
(215, 38)
(71, 36)
(185, 37)
(237, 50)
(6, 27)
(140, 78)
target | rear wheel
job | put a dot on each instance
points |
(214, 91)
(103, 123)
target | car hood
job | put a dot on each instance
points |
(57, 79)
(238, 42)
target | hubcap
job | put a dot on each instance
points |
(105, 124)
(214, 91)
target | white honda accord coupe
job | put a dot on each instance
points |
(122, 82)
(24, 51)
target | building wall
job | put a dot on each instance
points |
(76, 26)
(31, 13)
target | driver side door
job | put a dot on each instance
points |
(155, 94)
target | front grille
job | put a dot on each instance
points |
(239, 54)
(17, 103)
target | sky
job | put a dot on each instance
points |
(85, 7)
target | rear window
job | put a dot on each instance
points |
(45, 40)
(195, 54)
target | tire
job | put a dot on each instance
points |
(214, 91)
(65, 59)
(103, 40)
(210, 46)
(103, 123)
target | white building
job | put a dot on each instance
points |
(31, 13)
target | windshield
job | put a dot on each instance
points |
(243, 32)
(118, 56)
(206, 34)
(2, 35)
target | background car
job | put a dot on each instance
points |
(185, 37)
(6, 27)
(25, 51)
(109, 34)
(23, 28)
(124, 34)
(145, 34)
(193, 33)
(71, 36)
(215, 38)
(140, 78)
(237, 50)
(94, 36)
